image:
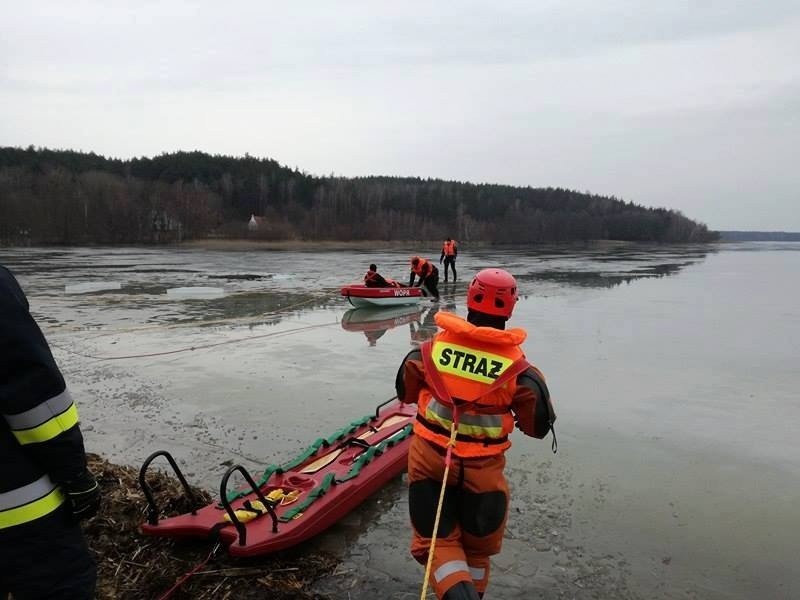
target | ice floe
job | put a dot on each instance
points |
(196, 292)
(91, 286)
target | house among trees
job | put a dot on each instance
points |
(255, 223)
(166, 227)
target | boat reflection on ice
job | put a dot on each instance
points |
(374, 322)
(425, 328)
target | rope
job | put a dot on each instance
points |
(447, 460)
(169, 593)
(197, 347)
(242, 320)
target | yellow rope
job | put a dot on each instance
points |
(447, 461)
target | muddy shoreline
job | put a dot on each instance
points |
(131, 566)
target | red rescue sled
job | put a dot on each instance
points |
(360, 295)
(299, 500)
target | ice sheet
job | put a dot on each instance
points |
(196, 292)
(91, 286)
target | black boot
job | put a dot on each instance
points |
(462, 591)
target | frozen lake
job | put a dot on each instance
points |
(673, 372)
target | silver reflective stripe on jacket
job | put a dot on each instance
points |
(444, 412)
(27, 493)
(40, 413)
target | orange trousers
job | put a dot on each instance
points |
(473, 518)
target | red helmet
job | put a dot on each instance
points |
(493, 292)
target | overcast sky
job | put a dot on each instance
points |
(689, 105)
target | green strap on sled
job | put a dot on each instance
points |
(317, 492)
(366, 457)
(308, 453)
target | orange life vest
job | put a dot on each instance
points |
(420, 268)
(472, 370)
(372, 276)
(449, 248)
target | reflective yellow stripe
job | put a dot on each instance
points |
(49, 429)
(40, 413)
(476, 431)
(484, 421)
(31, 511)
(469, 363)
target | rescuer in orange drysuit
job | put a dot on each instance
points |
(428, 275)
(474, 373)
(449, 254)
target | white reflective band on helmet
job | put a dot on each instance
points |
(40, 413)
(448, 568)
(477, 573)
(27, 493)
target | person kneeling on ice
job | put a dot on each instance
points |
(373, 279)
(472, 385)
(428, 275)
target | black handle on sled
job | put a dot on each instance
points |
(380, 406)
(223, 495)
(152, 509)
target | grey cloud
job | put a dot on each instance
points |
(219, 41)
(684, 104)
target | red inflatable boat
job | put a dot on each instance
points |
(296, 501)
(360, 295)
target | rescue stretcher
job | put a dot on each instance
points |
(296, 501)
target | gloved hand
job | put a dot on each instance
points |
(440, 260)
(83, 494)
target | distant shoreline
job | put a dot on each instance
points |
(759, 236)
(331, 245)
(240, 245)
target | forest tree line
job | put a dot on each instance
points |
(66, 197)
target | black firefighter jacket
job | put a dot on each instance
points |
(40, 441)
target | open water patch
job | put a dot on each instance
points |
(241, 276)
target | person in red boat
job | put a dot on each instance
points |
(472, 386)
(375, 279)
